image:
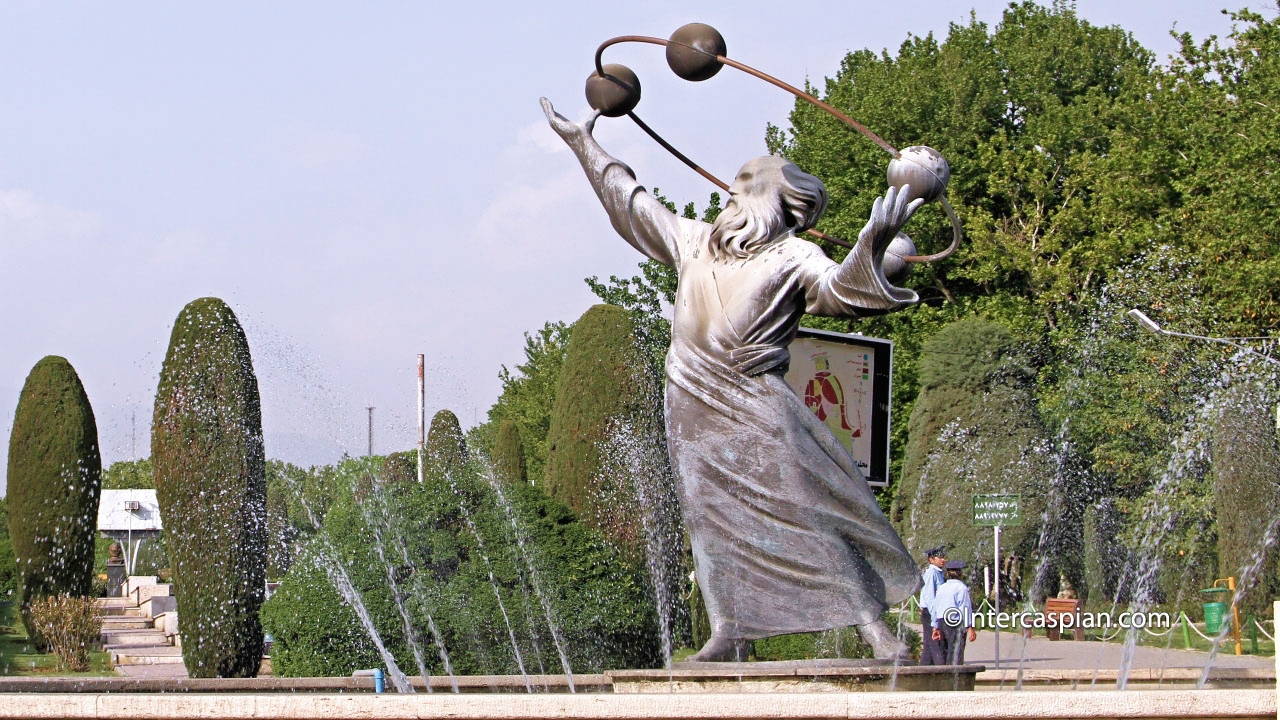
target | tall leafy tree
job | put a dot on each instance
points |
(207, 453)
(528, 394)
(54, 484)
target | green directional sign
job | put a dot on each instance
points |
(997, 510)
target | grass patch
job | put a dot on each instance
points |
(19, 656)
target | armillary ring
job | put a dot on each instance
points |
(696, 52)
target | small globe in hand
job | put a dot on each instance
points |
(697, 61)
(924, 169)
(614, 94)
(895, 268)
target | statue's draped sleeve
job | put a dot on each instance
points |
(636, 215)
(856, 287)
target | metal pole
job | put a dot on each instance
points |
(370, 409)
(422, 414)
(996, 624)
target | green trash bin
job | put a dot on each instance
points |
(1215, 610)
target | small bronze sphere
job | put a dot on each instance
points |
(924, 169)
(701, 63)
(616, 93)
(895, 268)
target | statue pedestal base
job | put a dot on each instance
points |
(794, 676)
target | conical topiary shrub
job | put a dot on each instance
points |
(206, 448)
(1246, 497)
(974, 430)
(55, 474)
(600, 402)
(446, 450)
(508, 454)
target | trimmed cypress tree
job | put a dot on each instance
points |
(508, 454)
(600, 398)
(207, 453)
(55, 476)
(446, 450)
(974, 429)
(1246, 497)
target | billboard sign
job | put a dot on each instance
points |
(846, 381)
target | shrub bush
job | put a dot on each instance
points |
(70, 626)
(455, 553)
(604, 393)
(1245, 457)
(54, 484)
(974, 429)
(207, 456)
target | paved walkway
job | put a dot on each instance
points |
(153, 671)
(1042, 653)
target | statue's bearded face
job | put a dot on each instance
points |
(769, 199)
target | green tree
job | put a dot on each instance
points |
(974, 430)
(603, 394)
(55, 477)
(528, 394)
(446, 450)
(1246, 493)
(8, 563)
(207, 452)
(129, 475)
(508, 454)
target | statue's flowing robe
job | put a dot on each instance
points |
(787, 536)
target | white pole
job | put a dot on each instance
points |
(422, 413)
(986, 581)
(996, 624)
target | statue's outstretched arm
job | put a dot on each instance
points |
(858, 286)
(637, 216)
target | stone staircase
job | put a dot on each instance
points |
(140, 628)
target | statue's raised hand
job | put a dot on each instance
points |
(888, 215)
(571, 132)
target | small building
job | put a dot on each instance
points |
(129, 517)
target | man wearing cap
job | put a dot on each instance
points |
(952, 614)
(930, 651)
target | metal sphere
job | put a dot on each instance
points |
(895, 268)
(924, 169)
(699, 64)
(616, 93)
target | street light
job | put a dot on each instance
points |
(1152, 326)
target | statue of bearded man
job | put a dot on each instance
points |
(787, 536)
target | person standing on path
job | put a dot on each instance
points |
(933, 577)
(953, 614)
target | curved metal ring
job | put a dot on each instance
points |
(829, 109)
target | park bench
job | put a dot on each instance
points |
(1055, 608)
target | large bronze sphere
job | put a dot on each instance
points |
(924, 169)
(701, 63)
(615, 94)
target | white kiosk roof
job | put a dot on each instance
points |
(125, 510)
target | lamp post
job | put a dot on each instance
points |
(1152, 326)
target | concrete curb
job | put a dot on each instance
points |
(1052, 705)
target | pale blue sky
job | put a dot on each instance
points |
(363, 182)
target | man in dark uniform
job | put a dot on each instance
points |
(930, 651)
